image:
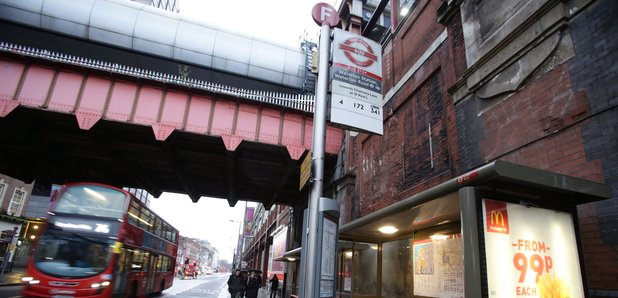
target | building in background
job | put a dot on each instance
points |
(199, 251)
(267, 240)
(17, 230)
(14, 195)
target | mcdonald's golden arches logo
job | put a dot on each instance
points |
(496, 217)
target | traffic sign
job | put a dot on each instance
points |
(325, 14)
(356, 86)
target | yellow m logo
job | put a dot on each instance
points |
(497, 218)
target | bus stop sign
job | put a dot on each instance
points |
(325, 14)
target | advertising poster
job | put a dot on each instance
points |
(530, 251)
(249, 211)
(438, 267)
(278, 250)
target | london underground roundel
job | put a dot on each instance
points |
(358, 52)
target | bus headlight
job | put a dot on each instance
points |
(30, 280)
(99, 284)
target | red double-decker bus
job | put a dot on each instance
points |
(101, 241)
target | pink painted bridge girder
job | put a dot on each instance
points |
(92, 97)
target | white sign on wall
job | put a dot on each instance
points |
(531, 252)
(356, 84)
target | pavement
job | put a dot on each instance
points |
(12, 278)
(262, 293)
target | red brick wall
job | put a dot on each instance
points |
(601, 260)
(560, 120)
(415, 35)
(564, 121)
(539, 126)
(398, 164)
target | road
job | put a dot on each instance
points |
(205, 286)
(209, 286)
(10, 291)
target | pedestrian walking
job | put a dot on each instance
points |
(236, 285)
(253, 286)
(274, 286)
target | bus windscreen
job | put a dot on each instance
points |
(92, 200)
(70, 256)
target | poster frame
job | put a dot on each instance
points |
(548, 201)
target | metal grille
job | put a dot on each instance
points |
(303, 102)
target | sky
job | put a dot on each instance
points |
(278, 21)
(209, 219)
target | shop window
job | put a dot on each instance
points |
(397, 269)
(365, 267)
(17, 202)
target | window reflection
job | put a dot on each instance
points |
(67, 255)
(92, 200)
(397, 274)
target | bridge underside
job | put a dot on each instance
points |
(51, 148)
(61, 123)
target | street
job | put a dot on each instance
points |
(208, 286)
(213, 286)
(10, 291)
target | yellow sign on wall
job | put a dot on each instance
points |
(305, 170)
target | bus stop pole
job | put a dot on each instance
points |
(319, 133)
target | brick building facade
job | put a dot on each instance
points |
(258, 248)
(466, 83)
